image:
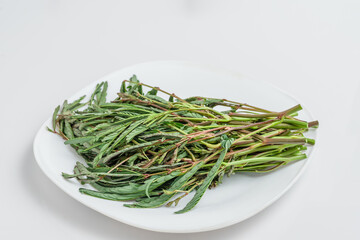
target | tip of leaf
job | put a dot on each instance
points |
(66, 176)
(50, 130)
(133, 78)
(180, 211)
(82, 190)
(130, 205)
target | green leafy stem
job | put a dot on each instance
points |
(146, 148)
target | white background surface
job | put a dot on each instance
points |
(51, 49)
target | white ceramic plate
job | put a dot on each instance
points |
(237, 198)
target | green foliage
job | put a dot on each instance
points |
(144, 148)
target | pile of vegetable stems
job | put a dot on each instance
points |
(145, 148)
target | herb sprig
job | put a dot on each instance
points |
(143, 147)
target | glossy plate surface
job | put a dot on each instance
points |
(237, 198)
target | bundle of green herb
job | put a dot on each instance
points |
(142, 147)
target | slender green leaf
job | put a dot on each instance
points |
(68, 130)
(137, 131)
(127, 149)
(200, 192)
(54, 117)
(177, 185)
(123, 87)
(113, 196)
(102, 99)
(79, 140)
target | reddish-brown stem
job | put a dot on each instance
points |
(313, 124)
(117, 165)
(234, 129)
(153, 105)
(159, 89)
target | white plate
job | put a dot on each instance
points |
(236, 199)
